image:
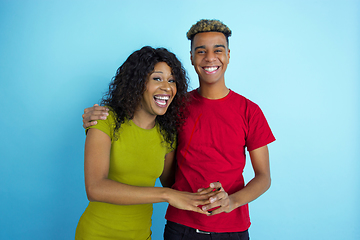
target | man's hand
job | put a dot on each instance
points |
(219, 202)
(94, 113)
(253, 189)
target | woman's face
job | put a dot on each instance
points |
(160, 90)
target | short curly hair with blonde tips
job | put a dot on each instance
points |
(208, 25)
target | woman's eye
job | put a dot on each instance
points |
(157, 79)
(172, 81)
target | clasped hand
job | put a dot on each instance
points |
(219, 201)
(209, 201)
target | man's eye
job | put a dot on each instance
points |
(218, 50)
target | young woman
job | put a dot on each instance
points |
(128, 151)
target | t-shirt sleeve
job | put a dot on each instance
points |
(259, 132)
(171, 147)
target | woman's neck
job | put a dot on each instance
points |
(145, 122)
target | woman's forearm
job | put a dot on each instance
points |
(110, 191)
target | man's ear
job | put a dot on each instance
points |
(191, 58)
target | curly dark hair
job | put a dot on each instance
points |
(128, 85)
(208, 25)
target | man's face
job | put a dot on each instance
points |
(210, 56)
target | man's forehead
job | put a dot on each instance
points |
(207, 35)
(209, 38)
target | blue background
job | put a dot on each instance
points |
(299, 60)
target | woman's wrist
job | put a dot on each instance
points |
(167, 194)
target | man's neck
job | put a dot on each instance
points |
(213, 91)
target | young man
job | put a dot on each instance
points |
(212, 142)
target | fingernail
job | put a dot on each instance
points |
(103, 117)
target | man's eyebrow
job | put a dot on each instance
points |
(219, 45)
(216, 46)
(202, 46)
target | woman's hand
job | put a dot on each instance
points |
(189, 201)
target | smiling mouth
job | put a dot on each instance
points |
(161, 100)
(212, 69)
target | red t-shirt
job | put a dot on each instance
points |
(211, 147)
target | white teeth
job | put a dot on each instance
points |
(162, 97)
(162, 103)
(210, 69)
(161, 100)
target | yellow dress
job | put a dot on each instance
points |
(136, 158)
